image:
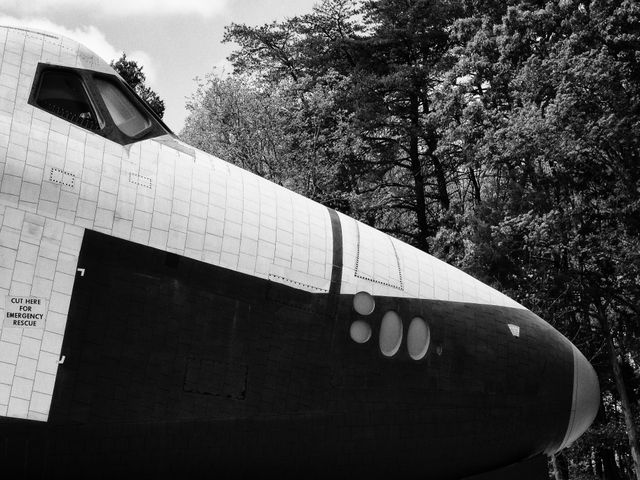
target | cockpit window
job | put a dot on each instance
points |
(62, 93)
(129, 120)
(98, 102)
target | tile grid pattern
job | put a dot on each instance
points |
(381, 265)
(58, 180)
(38, 257)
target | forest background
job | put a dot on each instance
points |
(500, 136)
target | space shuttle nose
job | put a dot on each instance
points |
(586, 397)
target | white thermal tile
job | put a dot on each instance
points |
(211, 257)
(23, 272)
(72, 239)
(13, 166)
(7, 257)
(213, 243)
(51, 342)
(229, 260)
(250, 218)
(8, 352)
(249, 246)
(90, 178)
(29, 192)
(40, 403)
(20, 289)
(11, 185)
(53, 230)
(267, 234)
(198, 210)
(26, 368)
(107, 201)
(44, 382)
(201, 197)
(128, 195)
(232, 228)
(182, 193)
(63, 282)
(9, 237)
(48, 363)
(158, 238)
(284, 252)
(126, 211)
(140, 235)
(56, 322)
(197, 224)
(68, 201)
(34, 171)
(160, 221)
(11, 335)
(89, 193)
(215, 226)
(7, 371)
(176, 241)
(49, 249)
(267, 249)
(144, 203)
(122, 228)
(30, 347)
(5, 392)
(231, 245)
(142, 220)
(178, 222)
(65, 215)
(162, 206)
(195, 241)
(18, 408)
(104, 218)
(316, 269)
(59, 302)
(250, 231)
(180, 207)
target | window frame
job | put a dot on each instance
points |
(109, 130)
(37, 87)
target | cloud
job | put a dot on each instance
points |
(88, 35)
(205, 8)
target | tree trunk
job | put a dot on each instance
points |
(632, 433)
(609, 467)
(560, 466)
(475, 185)
(418, 177)
(441, 179)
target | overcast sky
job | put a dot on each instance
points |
(174, 40)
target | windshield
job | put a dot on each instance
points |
(125, 114)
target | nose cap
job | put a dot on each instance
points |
(586, 398)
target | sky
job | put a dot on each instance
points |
(176, 41)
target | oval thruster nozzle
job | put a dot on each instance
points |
(586, 398)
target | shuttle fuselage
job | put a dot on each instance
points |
(197, 318)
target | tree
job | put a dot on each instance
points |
(549, 109)
(389, 55)
(132, 73)
(499, 136)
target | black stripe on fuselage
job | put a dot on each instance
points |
(336, 270)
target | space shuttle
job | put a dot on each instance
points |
(166, 314)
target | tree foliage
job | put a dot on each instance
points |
(132, 73)
(499, 136)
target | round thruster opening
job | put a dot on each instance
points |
(363, 303)
(418, 338)
(390, 334)
(360, 331)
